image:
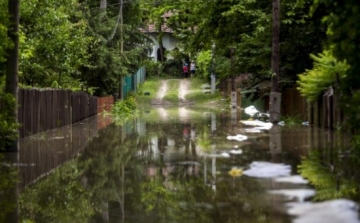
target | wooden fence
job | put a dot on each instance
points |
(293, 104)
(324, 113)
(41, 154)
(42, 110)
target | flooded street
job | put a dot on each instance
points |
(181, 165)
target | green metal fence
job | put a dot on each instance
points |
(131, 82)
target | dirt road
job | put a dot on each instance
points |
(183, 90)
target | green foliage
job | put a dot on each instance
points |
(327, 71)
(116, 50)
(150, 86)
(332, 177)
(223, 67)
(4, 40)
(203, 63)
(172, 68)
(57, 198)
(201, 99)
(53, 42)
(153, 68)
(343, 24)
(8, 124)
(8, 183)
(343, 33)
(246, 27)
(172, 93)
(124, 108)
(204, 140)
(291, 121)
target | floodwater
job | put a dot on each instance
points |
(180, 165)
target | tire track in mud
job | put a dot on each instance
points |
(183, 90)
(184, 87)
(158, 101)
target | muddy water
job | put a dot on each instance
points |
(180, 165)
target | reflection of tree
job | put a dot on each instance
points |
(8, 176)
(111, 177)
(103, 162)
(176, 200)
(57, 198)
(332, 174)
(205, 139)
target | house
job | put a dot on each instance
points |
(168, 40)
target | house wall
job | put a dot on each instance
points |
(169, 42)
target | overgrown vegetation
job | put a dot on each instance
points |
(8, 124)
(147, 91)
(125, 108)
(292, 121)
(327, 72)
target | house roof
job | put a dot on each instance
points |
(150, 28)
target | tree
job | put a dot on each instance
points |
(11, 86)
(343, 22)
(54, 43)
(117, 48)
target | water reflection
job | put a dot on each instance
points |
(9, 193)
(169, 168)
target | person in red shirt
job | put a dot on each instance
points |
(185, 71)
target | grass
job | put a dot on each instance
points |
(150, 86)
(201, 99)
(152, 115)
(172, 94)
(292, 121)
(195, 94)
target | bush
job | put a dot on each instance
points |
(124, 107)
(172, 68)
(8, 125)
(153, 68)
(325, 73)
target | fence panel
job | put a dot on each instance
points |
(80, 106)
(293, 104)
(93, 105)
(127, 85)
(131, 82)
(42, 110)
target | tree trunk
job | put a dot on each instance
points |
(12, 63)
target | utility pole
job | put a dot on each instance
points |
(121, 92)
(275, 96)
(121, 27)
